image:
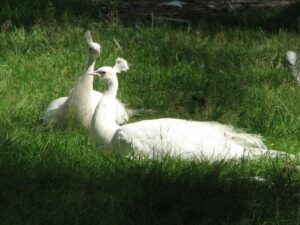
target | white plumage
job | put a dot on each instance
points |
(174, 137)
(82, 101)
(292, 58)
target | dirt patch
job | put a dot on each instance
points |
(188, 10)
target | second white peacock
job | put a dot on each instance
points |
(173, 137)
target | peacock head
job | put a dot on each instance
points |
(109, 73)
(94, 48)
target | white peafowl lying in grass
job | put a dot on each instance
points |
(173, 137)
(81, 103)
(292, 58)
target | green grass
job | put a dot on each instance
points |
(50, 176)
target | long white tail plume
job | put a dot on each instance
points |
(255, 153)
(138, 112)
(249, 140)
(121, 65)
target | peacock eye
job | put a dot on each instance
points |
(90, 48)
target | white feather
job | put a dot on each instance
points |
(121, 65)
(55, 104)
(122, 114)
(292, 58)
(185, 139)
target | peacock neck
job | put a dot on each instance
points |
(79, 101)
(112, 86)
(104, 119)
(90, 66)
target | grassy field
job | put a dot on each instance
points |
(231, 74)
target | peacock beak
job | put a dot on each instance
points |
(94, 74)
(97, 73)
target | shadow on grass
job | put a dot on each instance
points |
(269, 20)
(122, 191)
